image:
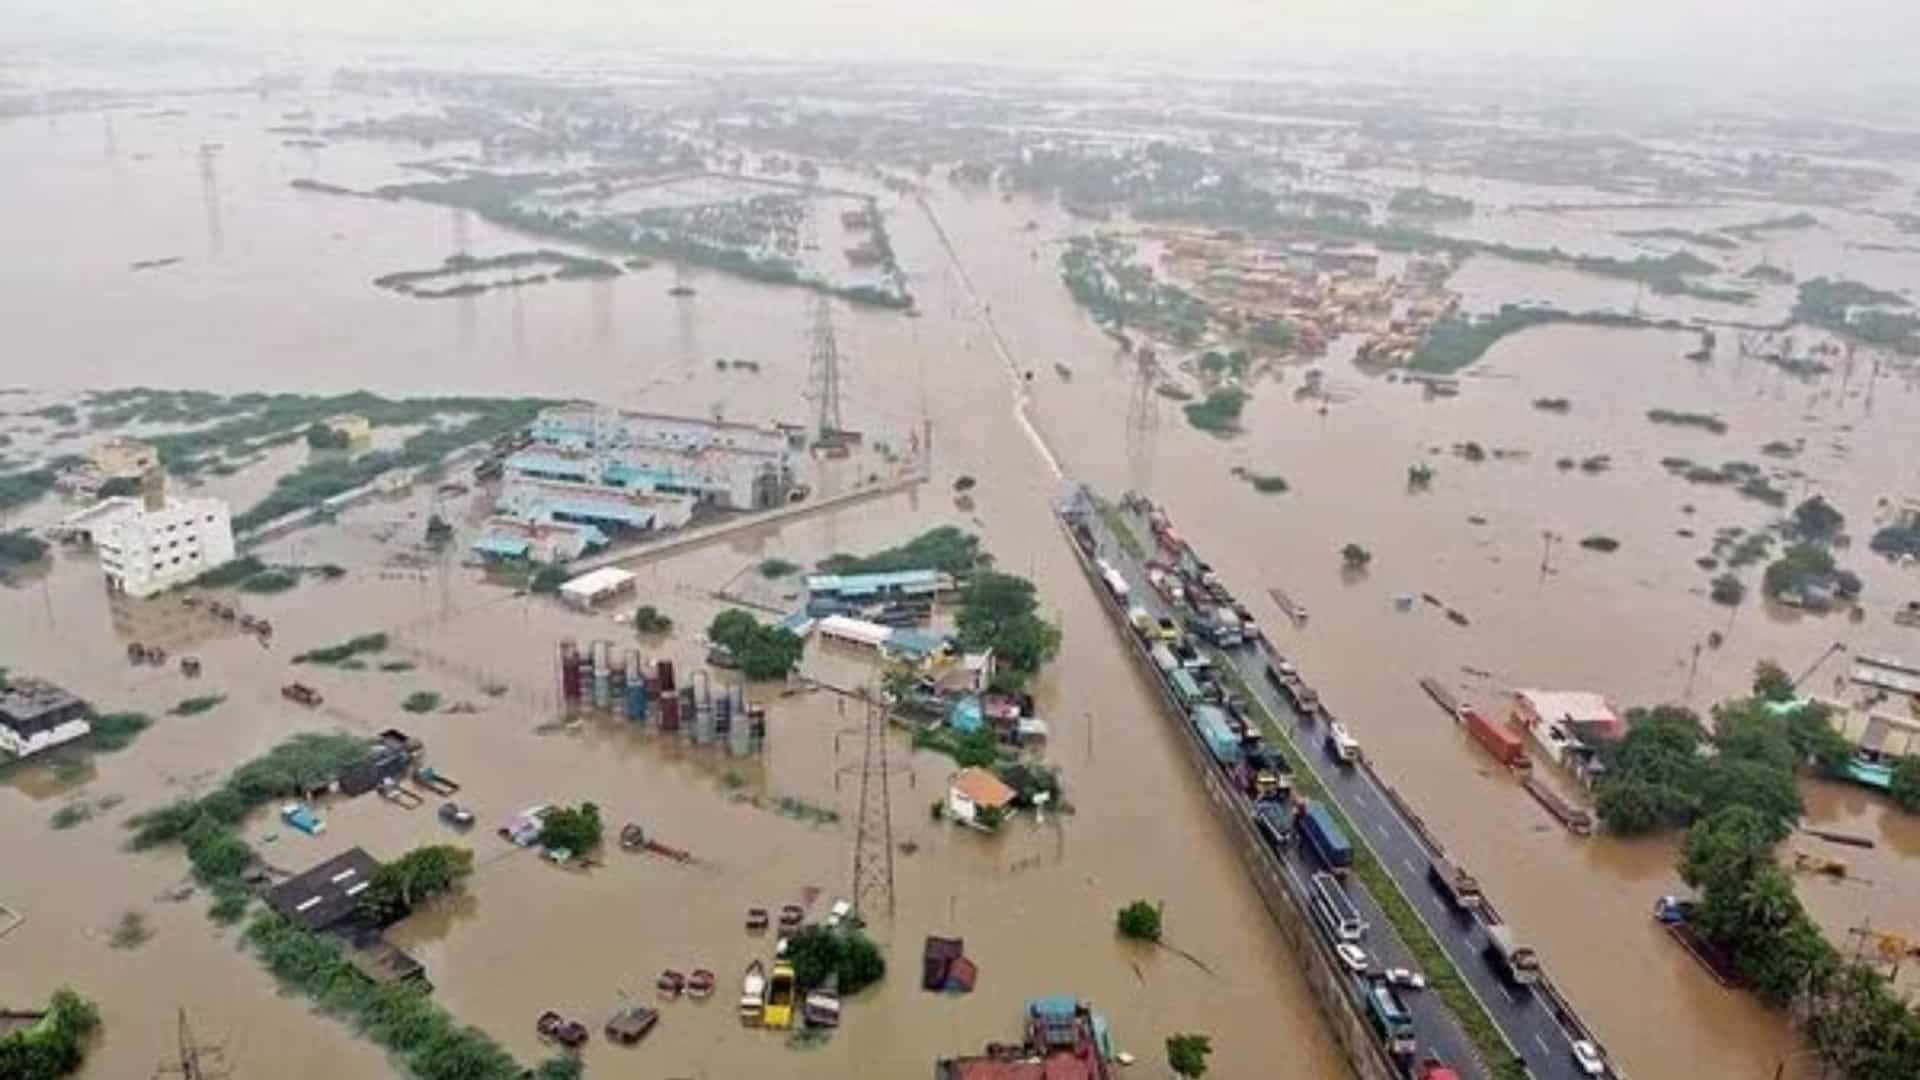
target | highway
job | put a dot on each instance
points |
(1525, 1017)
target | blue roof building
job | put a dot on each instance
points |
(966, 716)
(873, 586)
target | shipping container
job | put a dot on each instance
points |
(1506, 746)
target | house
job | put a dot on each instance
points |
(555, 542)
(156, 541)
(1580, 713)
(384, 761)
(123, 459)
(36, 716)
(1064, 1040)
(972, 791)
(597, 586)
(326, 896)
(944, 967)
(355, 427)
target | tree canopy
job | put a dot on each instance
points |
(419, 875)
(1187, 1054)
(850, 957)
(569, 829)
(1140, 921)
(999, 611)
(763, 651)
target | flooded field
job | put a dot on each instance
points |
(273, 292)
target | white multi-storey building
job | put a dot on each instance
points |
(154, 543)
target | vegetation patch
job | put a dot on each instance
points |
(1600, 543)
(116, 731)
(774, 569)
(1703, 421)
(1264, 483)
(1139, 921)
(649, 621)
(572, 829)
(946, 548)
(18, 547)
(420, 701)
(763, 651)
(54, 1046)
(130, 932)
(20, 488)
(549, 264)
(1553, 404)
(346, 650)
(845, 955)
(1219, 413)
(194, 706)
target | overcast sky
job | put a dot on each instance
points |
(1811, 38)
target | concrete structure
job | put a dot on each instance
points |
(123, 459)
(37, 716)
(597, 586)
(156, 541)
(727, 465)
(973, 790)
(1063, 1040)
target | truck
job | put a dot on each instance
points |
(1432, 1068)
(1211, 722)
(1516, 959)
(1391, 1021)
(1504, 745)
(1342, 745)
(1116, 584)
(1329, 844)
(1264, 777)
(1142, 621)
(1227, 630)
(1460, 888)
(1335, 908)
(1186, 688)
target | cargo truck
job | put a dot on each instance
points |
(1504, 745)
(1343, 746)
(1275, 822)
(1335, 909)
(1211, 722)
(1515, 959)
(1391, 1021)
(1329, 844)
(1460, 888)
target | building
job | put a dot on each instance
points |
(123, 459)
(974, 790)
(730, 466)
(156, 541)
(325, 897)
(1064, 1040)
(552, 542)
(597, 586)
(536, 501)
(1583, 714)
(869, 587)
(36, 716)
(857, 632)
(355, 427)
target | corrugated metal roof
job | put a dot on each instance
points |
(511, 547)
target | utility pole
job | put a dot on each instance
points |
(823, 374)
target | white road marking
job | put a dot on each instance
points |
(1382, 830)
(1542, 1042)
(1408, 863)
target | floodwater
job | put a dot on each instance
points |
(274, 293)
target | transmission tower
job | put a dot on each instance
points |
(823, 373)
(873, 836)
(195, 1061)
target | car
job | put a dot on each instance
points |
(1404, 979)
(1587, 1056)
(1353, 956)
(1168, 629)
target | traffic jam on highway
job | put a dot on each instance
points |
(1188, 625)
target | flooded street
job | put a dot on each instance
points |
(273, 294)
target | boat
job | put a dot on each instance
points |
(780, 992)
(452, 813)
(298, 816)
(555, 1028)
(670, 983)
(753, 993)
(757, 918)
(631, 1024)
(700, 984)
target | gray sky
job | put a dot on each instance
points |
(1812, 38)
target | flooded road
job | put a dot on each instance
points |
(274, 293)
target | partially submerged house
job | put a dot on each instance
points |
(325, 899)
(974, 791)
(37, 715)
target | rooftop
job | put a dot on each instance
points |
(595, 582)
(1581, 708)
(865, 583)
(982, 788)
(326, 895)
(27, 700)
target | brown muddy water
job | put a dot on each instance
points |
(274, 293)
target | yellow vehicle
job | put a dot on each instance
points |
(780, 995)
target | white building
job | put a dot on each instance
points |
(597, 586)
(158, 541)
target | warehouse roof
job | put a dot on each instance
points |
(598, 582)
(326, 895)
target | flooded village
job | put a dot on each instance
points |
(635, 579)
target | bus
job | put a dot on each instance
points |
(1335, 908)
(1522, 967)
(1390, 1020)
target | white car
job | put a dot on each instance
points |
(1587, 1056)
(1353, 956)
(1405, 979)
